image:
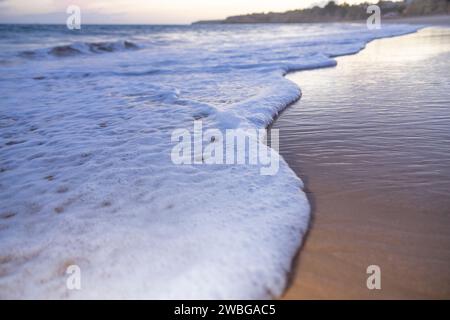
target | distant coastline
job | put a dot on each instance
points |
(342, 13)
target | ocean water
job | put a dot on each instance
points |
(86, 176)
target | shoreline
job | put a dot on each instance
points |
(427, 22)
(291, 292)
(266, 215)
(434, 19)
(438, 20)
(312, 203)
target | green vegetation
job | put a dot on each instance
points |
(344, 12)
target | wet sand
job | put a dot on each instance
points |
(371, 140)
(439, 20)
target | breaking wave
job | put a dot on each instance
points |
(81, 48)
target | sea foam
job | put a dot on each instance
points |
(86, 173)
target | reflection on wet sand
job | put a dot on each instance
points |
(371, 139)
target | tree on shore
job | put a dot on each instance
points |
(333, 12)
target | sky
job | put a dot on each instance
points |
(142, 11)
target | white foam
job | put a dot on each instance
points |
(86, 175)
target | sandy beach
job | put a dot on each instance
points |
(370, 140)
(440, 20)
